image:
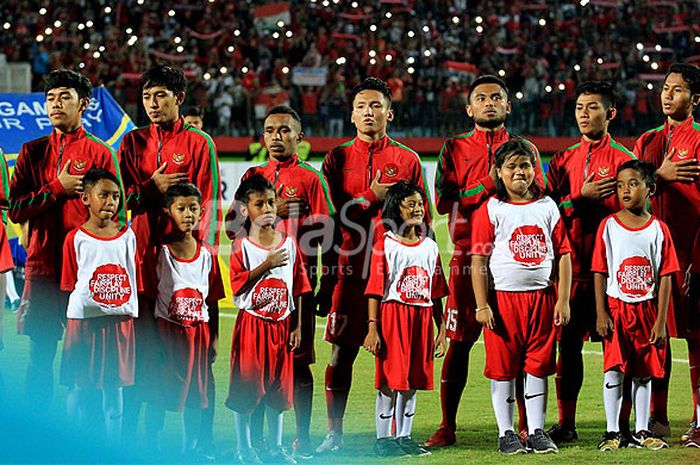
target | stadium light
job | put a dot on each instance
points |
(237, 32)
(244, 70)
(372, 62)
(646, 58)
(171, 13)
(411, 70)
(561, 87)
(388, 57)
(373, 27)
(289, 34)
(519, 95)
(81, 65)
(542, 22)
(285, 70)
(501, 72)
(6, 26)
(654, 66)
(410, 60)
(89, 23)
(128, 30)
(231, 48)
(180, 49)
(101, 48)
(96, 54)
(455, 20)
(479, 20)
(426, 53)
(280, 23)
(577, 67)
(599, 61)
(412, 34)
(640, 46)
(39, 38)
(372, 53)
(86, 46)
(206, 76)
(426, 29)
(584, 2)
(697, 39)
(140, 2)
(275, 35)
(479, 29)
(326, 3)
(657, 48)
(388, 15)
(108, 10)
(48, 31)
(650, 86)
(177, 40)
(132, 41)
(81, 26)
(224, 70)
(340, 61)
(42, 11)
(336, 1)
(548, 88)
(354, 5)
(57, 24)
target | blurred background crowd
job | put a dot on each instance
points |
(243, 56)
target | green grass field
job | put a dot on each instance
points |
(477, 432)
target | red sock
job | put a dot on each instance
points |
(455, 369)
(520, 397)
(569, 379)
(626, 408)
(338, 381)
(659, 392)
(694, 359)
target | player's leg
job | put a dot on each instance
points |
(39, 379)
(304, 382)
(113, 411)
(244, 448)
(205, 444)
(338, 381)
(191, 422)
(612, 401)
(257, 426)
(659, 424)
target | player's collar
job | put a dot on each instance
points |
(684, 125)
(68, 137)
(291, 161)
(500, 135)
(381, 144)
(167, 129)
(596, 144)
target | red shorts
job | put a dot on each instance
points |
(583, 313)
(524, 336)
(459, 314)
(347, 321)
(627, 348)
(406, 358)
(98, 352)
(6, 262)
(262, 364)
(683, 311)
(42, 311)
(183, 374)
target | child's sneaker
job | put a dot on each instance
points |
(561, 434)
(248, 457)
(443, 437)
(684, 436)
(302, 450)
(610, 441)
(658, 429)
(388, 447)
(510, 444)
(540, 442)
(649, 441)
(279, 455)
(331, 444)
(411, 447)
(692, 438)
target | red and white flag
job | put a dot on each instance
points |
(269, 15)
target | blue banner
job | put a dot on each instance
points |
(23, 118)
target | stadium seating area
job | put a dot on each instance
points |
(240, 56)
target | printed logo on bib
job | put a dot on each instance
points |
(414, 285)
(635, 276)
(528, 245)
(110, 285)
(186, 306)
(270, 299)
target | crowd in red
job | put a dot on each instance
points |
(428, 51)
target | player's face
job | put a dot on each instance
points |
(261, 208)
(488, 106)
(102, 199)
(676, 98)
(161, 105)
(632, 191)
(65, 108)
(282, 135)
(592, 117)
(412, 210)
(371, 112)
(517, 174)
(185, 212)
(195, 121)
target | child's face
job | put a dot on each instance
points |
(517, 174)
(413, 210)
(185, 213)
(632, 191)
(261, 208)
(102, 199)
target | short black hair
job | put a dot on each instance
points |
(94, 175)
(284, 110)
(391, 211)
(515, 147)
(163, 75)
(181, 189)
(372, 83)
(690, 73)
(487, 79)
(256, 184)
(602, 88)
(646, 169)
(194, 110)
(69, 79)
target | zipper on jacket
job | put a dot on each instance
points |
(369, 165)
(160, 146)
(489, 135)
(588, 162)
(668, 142)
(60, 154)
(277, 175)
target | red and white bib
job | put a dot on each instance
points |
(100, 273)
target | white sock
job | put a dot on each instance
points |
(612, 399)
(384, 413)
(275, 420)
(113, 410)
(404, 412)
(191, 421)
(242, 421)
(641, 396)
(535, 402)
(503, 400)
(11, 289)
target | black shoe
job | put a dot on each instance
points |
(411, 447)
(540, 442)
(610, 442)
(388, 447)
(560, 434)
(510, 444)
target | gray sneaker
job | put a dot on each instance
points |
(411, 447)
(388, 447)
(541, 443)
(331, 444)
(510, 444)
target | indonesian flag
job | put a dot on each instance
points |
(267, 16)
(461, 68)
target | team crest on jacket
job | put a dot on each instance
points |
(414, 285)
(270, 299)
(110, 285)
(528, 245)
(186, 306)
(603, 171)
(79, 165)
(635, 276)
(291, 191)
(391, 170)
(682, 153)
(178, 158)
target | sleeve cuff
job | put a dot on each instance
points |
(56, 188)
(488, 184)
(369, 196)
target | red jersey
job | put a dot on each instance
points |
(567, 171)
(185, 149)
(462, 181)
(37, 196)
(675, 203)
(349, 170)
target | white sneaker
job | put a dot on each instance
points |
(331, 444)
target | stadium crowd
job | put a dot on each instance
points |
(428, 51)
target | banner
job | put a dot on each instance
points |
(267, 16)
(23, 118)
(302, 76)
